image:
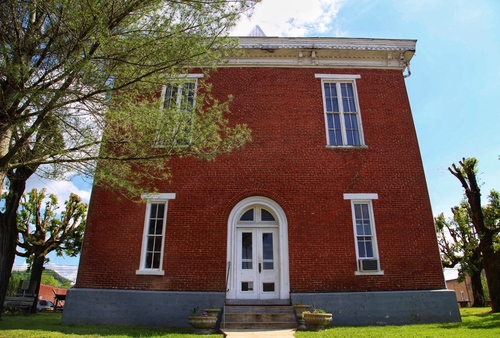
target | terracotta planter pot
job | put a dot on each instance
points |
(318, 320)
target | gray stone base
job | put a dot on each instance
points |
(171, 309)
(386, 307)
(136, 307)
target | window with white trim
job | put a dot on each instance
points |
(153, 243)
(179, 97)
(341, 110)
(365, 238)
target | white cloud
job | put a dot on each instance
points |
(291, 18)
(62, 189)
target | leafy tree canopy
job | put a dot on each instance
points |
(485, 222)
(80, 91)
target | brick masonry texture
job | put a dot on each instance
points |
(287, 161)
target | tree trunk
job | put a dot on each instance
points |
(8, 242)
(36, 276)
(477, 290)
(8, 227)
(491, 260)
(492, 269)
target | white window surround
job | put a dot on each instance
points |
(154, 198)
(365, 198)
(342, 114)
(337, 76)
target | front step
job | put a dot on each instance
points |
(258, 317)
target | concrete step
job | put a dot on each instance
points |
(259, 317)
(259, 326)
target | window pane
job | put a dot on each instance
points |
(331, 99)
(247, 216)
(267, 248)
(156, 260)
(157, 246)
(153, 211)
(369, 248)
(361, 248)
(359, 228)
(246, 250)
(152, 227)
(170, 97)
(160, 210)
(348, 104)
(266, 215)
(246, 286)
(364, 208)
(188, 95)
(329, 119)
(268, 287)
(352, 131)
(357, 211)
(365, 247)
(334, 129)
(149, 260)
(367, 229)
(151, 241)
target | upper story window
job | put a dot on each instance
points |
(367, 257)
(341, 109)
(153, 243)
(179, 97)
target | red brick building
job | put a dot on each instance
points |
(328, 204)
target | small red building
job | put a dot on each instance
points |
(328, 205)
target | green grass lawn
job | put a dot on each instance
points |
(476, 322)
(48, 325)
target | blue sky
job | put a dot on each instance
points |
(453, 87)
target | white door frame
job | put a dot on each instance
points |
(284, 280)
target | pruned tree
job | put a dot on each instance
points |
(80, 92)
(487, 228)
(42, 230)
(459, 245)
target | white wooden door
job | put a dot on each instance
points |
(257, 270)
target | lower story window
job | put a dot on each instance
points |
(153, 242)
(367, 257)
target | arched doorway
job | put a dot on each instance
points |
(257, 251)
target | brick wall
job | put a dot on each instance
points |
(288, 162)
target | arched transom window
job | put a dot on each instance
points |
(257, 214)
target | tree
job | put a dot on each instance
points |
(42, 231)
(486, 227)
(80, 93)
(49, 277)
(459, 245)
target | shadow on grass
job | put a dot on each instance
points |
(475, 319)
(49, 325)
(480, 318)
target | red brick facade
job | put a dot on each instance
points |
(288, 162)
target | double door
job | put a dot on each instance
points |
(257, 271)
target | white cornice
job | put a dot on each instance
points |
(323, 52)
